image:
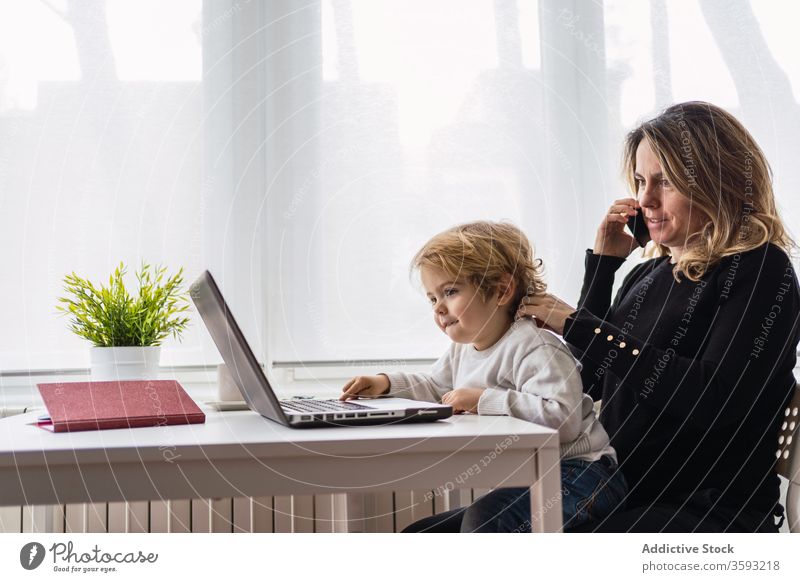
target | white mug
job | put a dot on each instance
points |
(226, 386)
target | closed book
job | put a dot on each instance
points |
(76, 406)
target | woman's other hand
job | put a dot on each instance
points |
(611, 236)
(547, 310)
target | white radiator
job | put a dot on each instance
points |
(379, 512)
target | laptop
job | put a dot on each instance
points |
(297, 413)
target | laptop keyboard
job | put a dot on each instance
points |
(321, 405)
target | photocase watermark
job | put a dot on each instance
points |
(744, 232)
(31, 555)
(516, 103)
(67, 559)
(760, 342)
(380, 364)
(299, 197)
(689, 169)
(167, 451)
(729, 278)
(6, 149)
(569, 20)
(201, 218)
(315, 315)
(627, 326)
(461, 480)
(222, 18)
(744, 229)
(549, 504)
(687, 314)
(680, 333)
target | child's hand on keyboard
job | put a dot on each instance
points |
(365, 386)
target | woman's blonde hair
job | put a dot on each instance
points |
(481, 253)
(709, 157)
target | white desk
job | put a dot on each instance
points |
(242, 454)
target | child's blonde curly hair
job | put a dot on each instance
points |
(481, 253)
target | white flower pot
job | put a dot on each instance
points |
(125, 363)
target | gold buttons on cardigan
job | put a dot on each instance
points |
(610, 337)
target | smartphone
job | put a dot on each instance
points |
(638, 228)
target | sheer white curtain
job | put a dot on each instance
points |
(739, 54)
(304, 150)
(100, 159)
(396, 120)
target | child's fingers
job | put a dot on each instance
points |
(451, 399)
(352, 388)
(349, 384)
(352, 393)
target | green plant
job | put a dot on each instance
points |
(110, 317)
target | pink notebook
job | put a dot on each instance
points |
(76, 406)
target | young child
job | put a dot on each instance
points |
(475, 276)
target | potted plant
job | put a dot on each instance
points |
(126, 332)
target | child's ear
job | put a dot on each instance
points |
(506, 289)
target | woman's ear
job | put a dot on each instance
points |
(506, 289)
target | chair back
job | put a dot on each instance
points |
(788, 459)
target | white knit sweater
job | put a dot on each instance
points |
(528, 374)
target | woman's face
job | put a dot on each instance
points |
(671, 217)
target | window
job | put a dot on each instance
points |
(426, 115)
(742, 57)
(304, 152)
(101, 150)
(420, 116)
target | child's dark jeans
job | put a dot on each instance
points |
(589, 491)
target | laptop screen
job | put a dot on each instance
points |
(234, 349)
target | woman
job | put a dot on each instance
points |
(693, 359)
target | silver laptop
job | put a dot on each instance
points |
(300, 413)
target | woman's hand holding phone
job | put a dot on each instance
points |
(611, 236)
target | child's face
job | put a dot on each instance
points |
(460, 311)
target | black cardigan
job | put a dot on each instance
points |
(693, 377)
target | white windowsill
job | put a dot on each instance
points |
(18, 390)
